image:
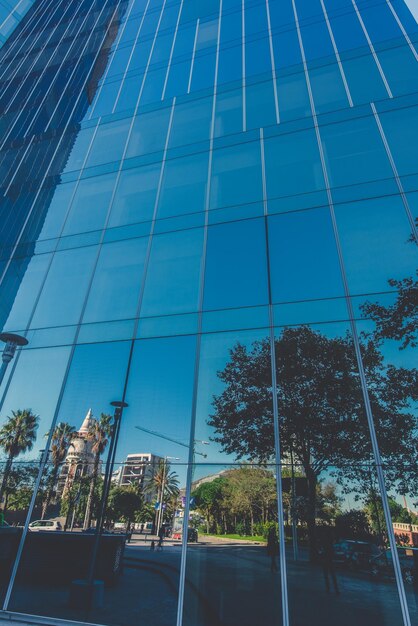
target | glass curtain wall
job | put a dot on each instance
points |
(208, 229)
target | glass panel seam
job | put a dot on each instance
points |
(173, 43)
(243, 60)
(131, 55)
(277, 443)
(183, 562)
(337, 54)
(395, 172)
(401, 26)
(103, 81)
(372, 50)
(273, 66)
(189, 84)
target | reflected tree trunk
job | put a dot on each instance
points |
(311, 513)
(90, 497)
(5, 480)
(50, 491)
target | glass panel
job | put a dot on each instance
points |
(236, 175)
(135, 195)
(90, 204)
(232, 572)
(293, 168)
(303, 257)
(236, 270)
(172, 284)
(27, 407)
(72, 489)
(65, 288)
(117, 281)
(183, 188)
(330, 491)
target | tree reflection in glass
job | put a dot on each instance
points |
(321, 413)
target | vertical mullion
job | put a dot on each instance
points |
(276, 426)
(170, 58)
(109, 64)
(244, 95)
(337, 54)
(193, 56)
(366, 399)
(131, 55)
(190, 463)
(395, 172)
(273, 65)
(372, 50)
(401, 26)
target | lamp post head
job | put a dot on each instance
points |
(12, 341)
(119, 405)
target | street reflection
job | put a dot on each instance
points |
(133, 508)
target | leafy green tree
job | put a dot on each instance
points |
(60, 442)
(20, 484)
(374, 511)
(208, 499)
(124, 504)
(397, 321)
(321, 410)
(353, 524)
(252, 495)
(17, 436)
(98, 433)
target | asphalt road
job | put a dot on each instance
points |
(226, 585)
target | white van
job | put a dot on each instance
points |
(45, 524)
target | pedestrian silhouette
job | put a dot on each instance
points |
(273, 548)
(152, 545)
(327, 560)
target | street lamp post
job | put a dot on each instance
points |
(90, 592)
(12, 341)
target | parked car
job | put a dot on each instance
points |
(355, 554)
(192, 535)
(45, 524)
(381, 566)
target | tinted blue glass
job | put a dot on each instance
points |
(236, 175)
(149, 131)
(65, 288)
(90, 204)
(303, 265)
(174, 257)
(293, 169)
(183, 187)
(354, 152)
(401, 129)
(236, 271)
(135, 195)
(117, 280)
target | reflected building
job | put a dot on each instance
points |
(138, 471)
(208, 212)
(79, 460)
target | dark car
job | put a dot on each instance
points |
(381, 566)
(355, 554)
(192, 535)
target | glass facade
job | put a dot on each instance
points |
(208, 215)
